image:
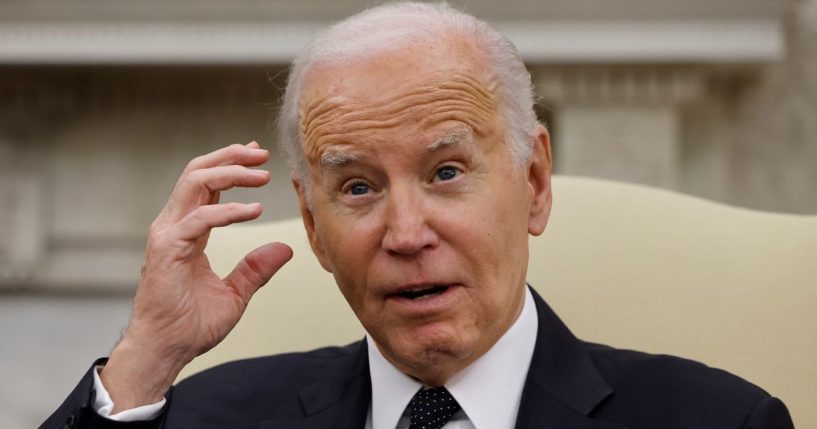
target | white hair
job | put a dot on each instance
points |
(386, 28)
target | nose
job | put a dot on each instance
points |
(407, 223)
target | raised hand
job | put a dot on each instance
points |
(182, 308)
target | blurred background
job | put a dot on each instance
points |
(103, 102)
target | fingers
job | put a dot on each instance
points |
(205, 176)
(199, 187)
(193, 208)
(257, 268)
(249, 155)
(204, 218)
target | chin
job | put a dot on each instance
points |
(431, 355)
(435, 366)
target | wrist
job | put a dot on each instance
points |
(137, 375)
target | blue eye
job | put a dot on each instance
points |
(359, 189)
(447, 173)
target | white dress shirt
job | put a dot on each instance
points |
(104, 405)
(489, 390)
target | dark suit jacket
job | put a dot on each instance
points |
(570, 384)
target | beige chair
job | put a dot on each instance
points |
(624, 265)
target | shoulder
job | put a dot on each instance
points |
(629, 369)
(672, 391)
(272, 370)
(258, 387)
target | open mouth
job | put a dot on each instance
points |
(421, 293)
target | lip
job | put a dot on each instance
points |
(425, 306)
(415, 286)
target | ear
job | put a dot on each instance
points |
(309, 223)
(539, 182)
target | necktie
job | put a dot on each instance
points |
(432, 408)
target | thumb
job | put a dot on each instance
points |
(257, 268)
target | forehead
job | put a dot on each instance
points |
(409, 89)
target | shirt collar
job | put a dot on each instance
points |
(489, 390)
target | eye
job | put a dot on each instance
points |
(447, 173)
(358, 189)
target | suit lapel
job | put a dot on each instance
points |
(563, 385)
(339, 398)
(548, 412)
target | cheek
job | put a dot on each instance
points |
(497, 224)
(494, 236)
(349, 245)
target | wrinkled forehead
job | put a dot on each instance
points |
(413, 83)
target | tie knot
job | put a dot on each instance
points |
(432, 408)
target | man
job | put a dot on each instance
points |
(420, 170)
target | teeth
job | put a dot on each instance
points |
(422, 297)
(423, 292)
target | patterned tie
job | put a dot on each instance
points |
(431, 408)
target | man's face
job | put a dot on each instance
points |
(418, 207)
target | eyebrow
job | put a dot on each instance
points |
(463, 134)
(331, 159)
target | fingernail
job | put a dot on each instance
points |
(260, 173)
(253, 143)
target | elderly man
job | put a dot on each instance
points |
(421, 170)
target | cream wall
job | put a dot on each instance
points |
(103, 153)
(775, 142)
